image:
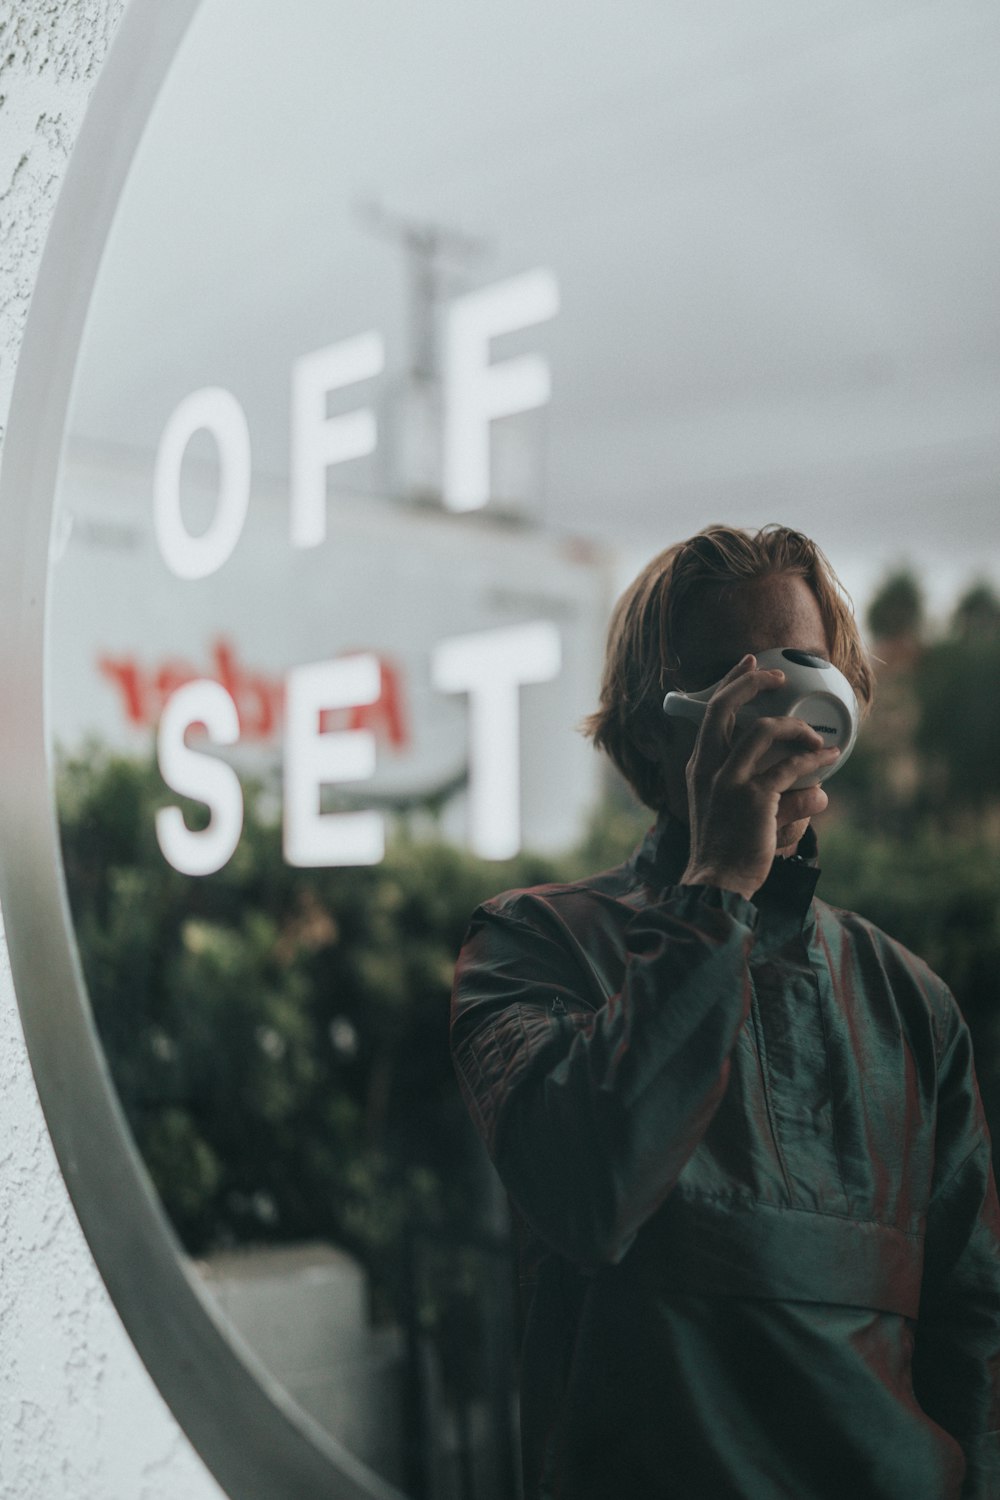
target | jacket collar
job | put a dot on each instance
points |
(785, 897)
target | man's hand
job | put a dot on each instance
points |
(738, 799)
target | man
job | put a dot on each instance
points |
(739, 1128)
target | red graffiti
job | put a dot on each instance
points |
(259, 698)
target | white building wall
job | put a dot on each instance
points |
(79, 1417)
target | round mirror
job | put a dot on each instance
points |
(353, 356)
(304, 623)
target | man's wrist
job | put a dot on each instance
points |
(725, 880)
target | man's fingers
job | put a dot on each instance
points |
(740, 686)
(750, 750)
(781, 777)
(794, 807)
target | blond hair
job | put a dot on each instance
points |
(641, 662)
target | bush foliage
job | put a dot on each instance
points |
(278, 1038)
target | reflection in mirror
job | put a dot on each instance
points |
(399, 306)
(306, 620)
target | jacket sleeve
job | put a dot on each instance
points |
(956, 1365)
(591, 1102)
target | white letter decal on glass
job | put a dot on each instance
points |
(314, 759)
(318, 440)
(490, 666)
(216, 411)
(476, 392)
(193, 774)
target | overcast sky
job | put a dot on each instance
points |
(775, 228)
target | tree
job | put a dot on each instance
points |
(976, 617)
(897, 609)
(958, 691)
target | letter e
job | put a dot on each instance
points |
(314, 759)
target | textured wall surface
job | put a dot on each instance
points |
(79, 1417)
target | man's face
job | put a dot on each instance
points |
(723, 625)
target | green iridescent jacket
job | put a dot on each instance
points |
(760, 1241)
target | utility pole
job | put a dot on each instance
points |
(435, 256)
(426, 246)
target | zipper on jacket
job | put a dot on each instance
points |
(758, 1026)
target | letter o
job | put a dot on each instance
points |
(215, 410)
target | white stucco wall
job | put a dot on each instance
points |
(79, 1417)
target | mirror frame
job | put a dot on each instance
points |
(253, 1438)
